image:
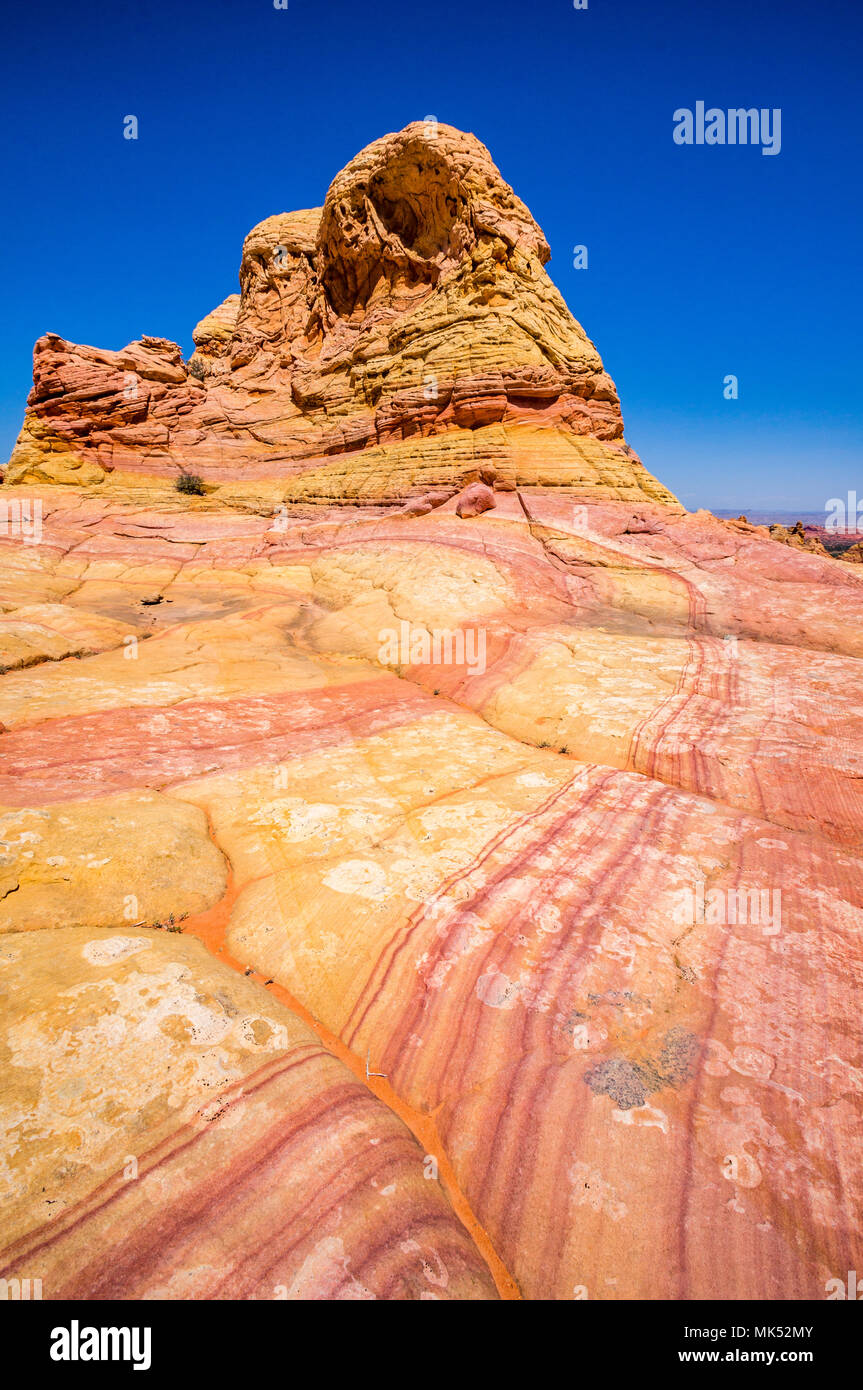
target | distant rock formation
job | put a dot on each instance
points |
(399, 339)
(796, 536)
(819, 541)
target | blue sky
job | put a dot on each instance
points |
(702, 261)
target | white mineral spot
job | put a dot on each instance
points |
(497, 991)
(113, 948)
(751, 1061)
(360, 877)
(644, 1116)
(548, 918)
(534, 779)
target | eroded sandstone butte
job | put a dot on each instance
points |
(341, 960)
(401, 338)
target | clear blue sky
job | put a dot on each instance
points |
(703, 261)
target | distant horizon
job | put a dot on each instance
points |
(779, 514)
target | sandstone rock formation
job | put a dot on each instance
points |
(475, 499)
(399, 902)
(796, 536)
(395, 340)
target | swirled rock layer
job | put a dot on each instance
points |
(576, 902)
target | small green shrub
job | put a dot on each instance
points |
(190, 484)
(170, 925)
